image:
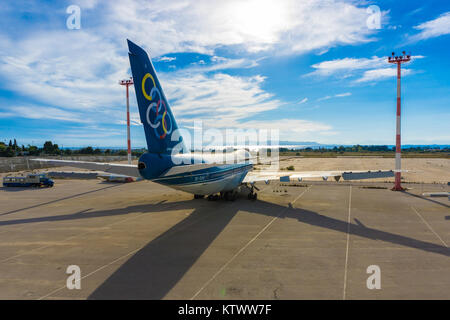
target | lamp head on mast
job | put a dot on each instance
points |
(399, 59)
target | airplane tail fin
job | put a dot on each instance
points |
(154, 110)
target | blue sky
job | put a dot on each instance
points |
(315, 70)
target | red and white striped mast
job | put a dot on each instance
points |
(127, 83)
(398, 60)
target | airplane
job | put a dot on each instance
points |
(166, 164)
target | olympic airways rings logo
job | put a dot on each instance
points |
(157, 116)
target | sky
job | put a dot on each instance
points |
(315, 70)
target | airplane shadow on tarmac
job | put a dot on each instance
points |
(155, 269)
(426, 199)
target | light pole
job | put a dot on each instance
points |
(127, 83)
(398, 145)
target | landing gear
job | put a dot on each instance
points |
(226, 195)
(232, 195)
(252, 196)
(213, 197)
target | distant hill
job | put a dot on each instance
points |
(300, 143)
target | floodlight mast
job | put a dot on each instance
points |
(398, 60)
(127, 83)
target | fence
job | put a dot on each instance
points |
(24, 163)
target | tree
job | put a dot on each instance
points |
(33, 150)
(87, 150)
(48, 147)
(122, 153)
(2, 149)
(6, 151)
(56, 149)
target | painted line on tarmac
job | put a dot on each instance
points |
(243, 248)
(429, 227)
(348, 241)
(301, 194)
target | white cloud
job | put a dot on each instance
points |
(380, 74)
(339, 95)
(86, 4)
(77, 75)
(345, 94)
(79, 69)
(288, 125)
(39, 112)
(220, 63)
(256, 25)
(375, 68)
(165, 59)
(292, 129)
(74, 70)
(304, 100)
(227, 102)
(433, 28)
(135, 119)
(415, 11)
(346, 66)
(220, 99)
(324, 98)
(74, 74)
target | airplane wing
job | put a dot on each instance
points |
(286, 176)
(130, 170)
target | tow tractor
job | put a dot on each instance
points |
(30, 180)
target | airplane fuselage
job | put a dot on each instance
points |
(207, 181)
(193, 175)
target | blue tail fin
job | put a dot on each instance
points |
(154, 110)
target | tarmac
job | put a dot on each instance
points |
(310, 240)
